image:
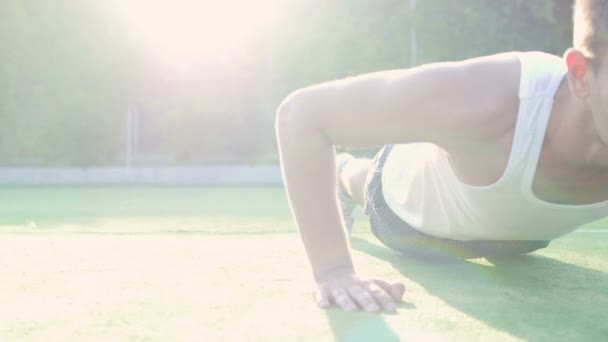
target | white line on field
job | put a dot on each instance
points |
(592, 231)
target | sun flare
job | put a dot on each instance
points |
(189, 31)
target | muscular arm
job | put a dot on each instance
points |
(441, 103)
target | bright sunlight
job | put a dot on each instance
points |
(190, 32)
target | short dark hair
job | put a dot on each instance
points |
(591, 29)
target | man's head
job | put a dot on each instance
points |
(588, 61)
(591, 30)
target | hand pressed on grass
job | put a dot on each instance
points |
(349, 293)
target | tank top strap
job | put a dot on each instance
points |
(541, 76)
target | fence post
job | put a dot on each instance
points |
(413, 42)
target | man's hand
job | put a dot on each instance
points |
(349, 293)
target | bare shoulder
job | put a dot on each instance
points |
(479, 97)
(439, 102)
(484, 85)
(489, 78)
(498, 75)
(492, 84)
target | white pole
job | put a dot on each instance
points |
(413, 42)
(135, 135)
(129, 139)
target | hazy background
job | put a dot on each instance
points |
(104, 83)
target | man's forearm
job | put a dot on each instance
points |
(307, 162)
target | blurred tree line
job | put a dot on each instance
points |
(70, 73)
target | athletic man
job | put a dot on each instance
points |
(490, 156)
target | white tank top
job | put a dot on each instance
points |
(421, 188)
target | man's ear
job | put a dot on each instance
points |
(578, 67)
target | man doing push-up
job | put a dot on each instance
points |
(491, 156)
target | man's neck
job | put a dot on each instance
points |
(573, 130)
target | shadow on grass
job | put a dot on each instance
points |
(359, 326)
(530, 297)
(362, 326)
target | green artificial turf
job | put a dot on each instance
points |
(241, 274)
(144, 209)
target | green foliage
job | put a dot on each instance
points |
(69, 71)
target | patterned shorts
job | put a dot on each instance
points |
(397, 234)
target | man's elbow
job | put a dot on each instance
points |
(292, 116)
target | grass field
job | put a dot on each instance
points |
(207, 264)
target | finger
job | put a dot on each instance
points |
(382, 297)
(322, 297)
(399, 290)
(363, 298)
(396, 290)
(342, 299)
